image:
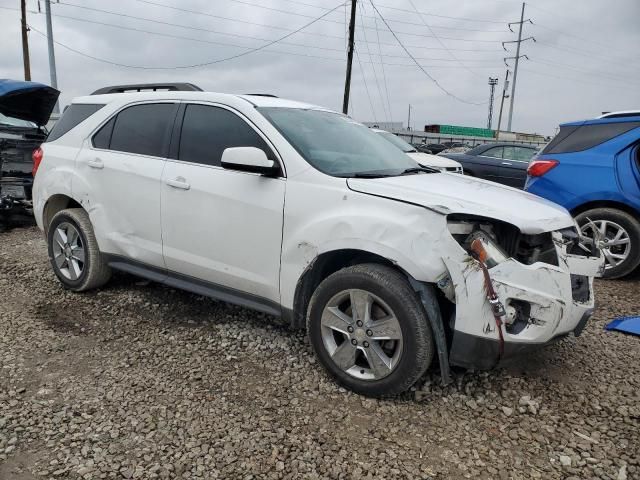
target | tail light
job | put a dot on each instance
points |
(37, 158)
(538, 168)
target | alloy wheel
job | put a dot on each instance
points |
(68, 251)
(361, 334)
(612, 239)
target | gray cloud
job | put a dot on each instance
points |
(585, 62)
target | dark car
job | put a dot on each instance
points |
(440, 147)
(421, 147)
(504, 163)
(25, 107)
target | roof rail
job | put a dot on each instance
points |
(261, 95)
(144, 87)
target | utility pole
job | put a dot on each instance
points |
(505, 89)
(409, 119)
(25, 41)
(347, 82)
(517, 59)
(52, 56)
(492, 86)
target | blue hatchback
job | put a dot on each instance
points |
(592, 168)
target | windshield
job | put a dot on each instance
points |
(398, 142)
(336, 144)
(15, 122)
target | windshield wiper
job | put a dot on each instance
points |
(411, 170)
(370, 175)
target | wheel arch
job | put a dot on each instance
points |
(54, 204)
(320, 268)
(605, 204)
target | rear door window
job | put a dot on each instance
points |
(495, 152)
(523, 154)
(73, 115)
(144, 129)
(207, 131)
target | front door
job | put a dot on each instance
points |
(220, 226)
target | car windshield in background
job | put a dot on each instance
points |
(337, 145)
(15, 122)
(398, 142)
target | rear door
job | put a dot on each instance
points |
(222, 227)
(122, 169)
(513, 167)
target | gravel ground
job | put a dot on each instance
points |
(142, 381)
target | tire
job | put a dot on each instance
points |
(392, 297)
(77, 272)
(616, 219)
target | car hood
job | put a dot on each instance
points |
(460, 194)
(29, 101)
(433, 160)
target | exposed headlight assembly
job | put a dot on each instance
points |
(478, 236)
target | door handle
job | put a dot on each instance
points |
(507, 163)
(179, 182)
(95, 163)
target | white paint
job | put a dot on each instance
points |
(259, 235)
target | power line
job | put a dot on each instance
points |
(325, 35)
(466, 19)
(270, 50)
(232, 57)
(305, 46)
(375, 75)
(419, 65)
(384, 74)
(579, 80)
(364, 79)
(583, 70)
(440, 41)
(270, 8)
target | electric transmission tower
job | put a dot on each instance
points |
(492, 87)
(517, 59)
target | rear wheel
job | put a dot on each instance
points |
(369, 330)
(74, 253)
(618, 234)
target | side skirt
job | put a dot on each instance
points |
(193, 285)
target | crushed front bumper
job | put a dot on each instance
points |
(544, 302)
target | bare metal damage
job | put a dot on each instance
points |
(546, 289)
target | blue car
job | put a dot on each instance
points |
(592, 168)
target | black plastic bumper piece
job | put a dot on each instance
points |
(471, 351)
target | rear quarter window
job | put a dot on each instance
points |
(582, 137)
(74, 115)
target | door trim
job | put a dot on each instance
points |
(193, 285)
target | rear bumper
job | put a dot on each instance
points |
(547, 302)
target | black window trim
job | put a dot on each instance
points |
(133, 104)
(177, 131)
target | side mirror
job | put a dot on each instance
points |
(248, 159)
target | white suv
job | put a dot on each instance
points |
(297, 211)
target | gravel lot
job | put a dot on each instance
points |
(142, 381)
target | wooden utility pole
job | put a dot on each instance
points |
(347, 82)
(25, 41)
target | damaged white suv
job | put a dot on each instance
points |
(301, 212)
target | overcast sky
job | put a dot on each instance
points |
(585, 61)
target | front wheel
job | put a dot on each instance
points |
(369, 330)
(618, 234)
